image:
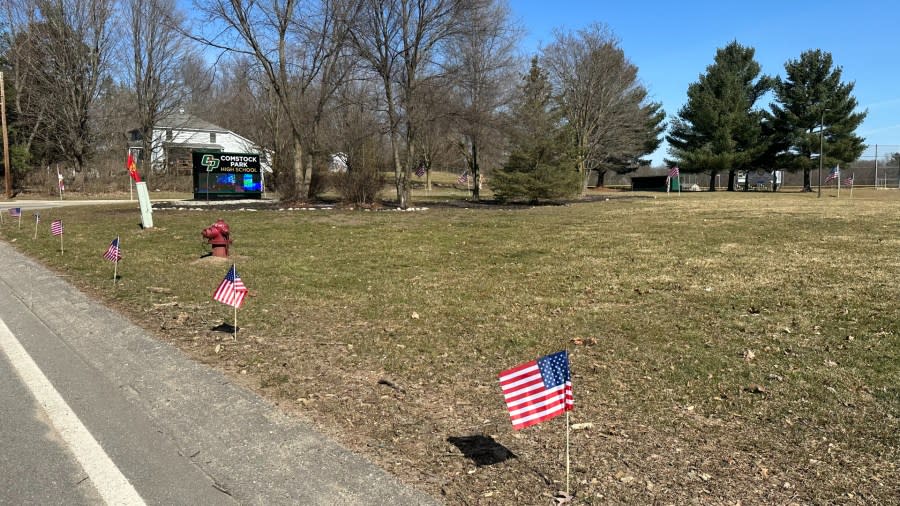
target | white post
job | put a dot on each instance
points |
(838, 180)
(144, 202)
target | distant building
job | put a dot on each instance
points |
(176, 136)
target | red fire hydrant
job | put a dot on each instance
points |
(218, 235)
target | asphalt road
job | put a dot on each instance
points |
(93, 410)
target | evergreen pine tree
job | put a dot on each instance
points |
(812, 97)
(718, 128)
(541, 163)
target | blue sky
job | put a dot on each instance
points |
(673, 42)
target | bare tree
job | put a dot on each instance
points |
(400, 40)
(158, 49)
(435, 117)
(291, 42)
(62, 58)
(483, 63)
(27, 109)
(602, 99)
(197, 78)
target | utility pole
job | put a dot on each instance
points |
(821, 150)
(7, 173)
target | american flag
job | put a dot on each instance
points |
(834, 174)
(15, 212)
(538, 390)
(232, 290)
(463, 178)
(56, 227)
(420, 170)
(674, 172)
(112, 252)
(848, 181)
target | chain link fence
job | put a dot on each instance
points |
(879, 166)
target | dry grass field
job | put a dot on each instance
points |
(726, 347)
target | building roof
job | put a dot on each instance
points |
(183, 121)
(194, 145)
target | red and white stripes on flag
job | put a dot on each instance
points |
(674, 172)
(538, 390)
(56, 228)
(232, 290)
(113, 253)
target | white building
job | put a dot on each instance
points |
(178, 135)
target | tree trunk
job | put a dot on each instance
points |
(731, 180)
(712, 180)
(476, 175)
(582, 165)
(807, 187)
(300, 184)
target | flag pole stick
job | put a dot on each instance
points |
(62, 250)
(234, 270)
(116, 263)
(567, 452)
(36, 226)
(20, 219)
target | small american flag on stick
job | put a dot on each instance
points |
(674, 172)
(113, 254)
(463, 178)
(848, 181)
(15, 212)
(56, 228)
(232, 290)
(538, 390)
(420, 170)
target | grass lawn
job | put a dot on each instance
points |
(725, 347)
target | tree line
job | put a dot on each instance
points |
(722, 127)
(394, 85)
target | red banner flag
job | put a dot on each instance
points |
(132, 168)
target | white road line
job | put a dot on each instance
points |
(113, 487)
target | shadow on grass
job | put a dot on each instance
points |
(483, 450)
(225, 327)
